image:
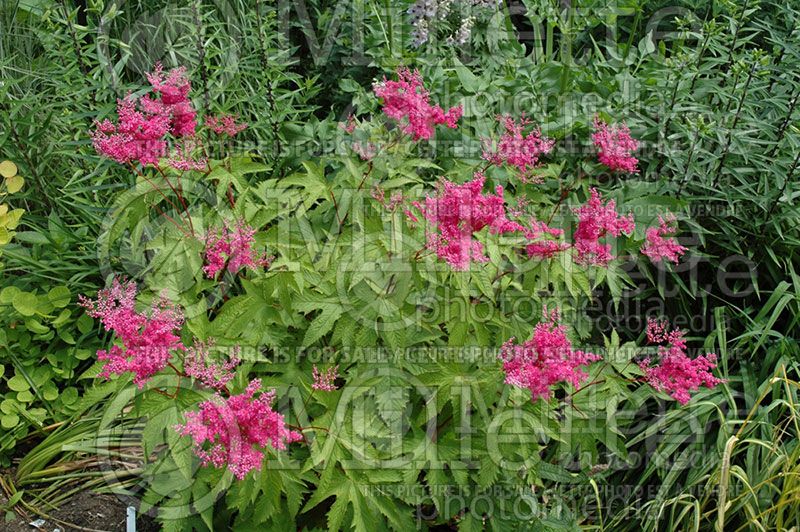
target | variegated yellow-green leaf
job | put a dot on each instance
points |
(14, 184)
(8, 169)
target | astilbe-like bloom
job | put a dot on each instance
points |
(148, 340)
(545, 360)
(457, 212)
(365, 150)
(225, 124)
(324, 380)
(234, 431)
(408, 102)
(138, 135)
(676, 373)
(390, 204)
(174, 88)
(595, 221)
(658, 245)
(615, 146)
(232, 248)
(350, 125)
(215, 375)
(515, 148)
(183, 159)
(541, 246)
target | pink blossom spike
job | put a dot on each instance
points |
(323, 380)
(545, 360)
(225, 124)
(615, 146)
(658, 245)
(543, 246)
(235, 431)
(596, 221)
(137, 137)
(408, 102)
(515, 148)
(174, 88)
(675, 373)
(457, 213)
(232, 248)
(215, 375)
(148, 340)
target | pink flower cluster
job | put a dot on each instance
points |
(458, 212)
(515, 148)
(324, 380)
(407, 101)
(214, 375)
(392, 203)
(182, 158)
(147, 339)
(544, 360)
(658, 245)
(174, 88)
(541, 246)
(595, 221)
(676, 374)
(615, 146)
(225, 124)
(137, 136)
(232, 248)
(140, 134)
(233, 431)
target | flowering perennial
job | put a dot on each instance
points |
(232, 248)
(140, 134)
(544, 360)
(323, 380)
(459, 211)
(675, 373)
(173, 87)
(540, 246)
(233, 431)
(595, 221)
(658, 246)
(214, 375)
(615, 146)
(408, 102)
(225, 125)
(182, 158)
(147, 339)
(515, 148)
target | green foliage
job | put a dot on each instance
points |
(44, 343)
(714, 102)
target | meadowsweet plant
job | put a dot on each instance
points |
(407, 299)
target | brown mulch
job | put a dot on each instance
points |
(84, 511)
